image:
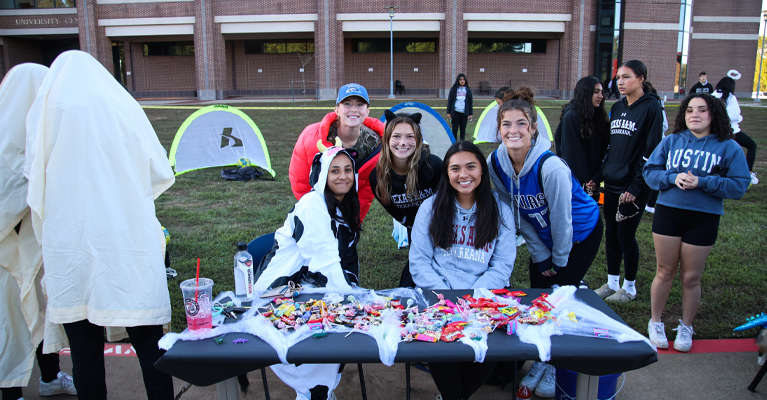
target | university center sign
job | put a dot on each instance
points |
(46, 21)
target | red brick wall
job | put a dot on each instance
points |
(500, 68)
(18, 51)
(424, 81)
(277, 70)
(160, 72)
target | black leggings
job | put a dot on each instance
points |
(86, 341)
(461, 119)
(578, 263)
(620, 237)
(49, 370)
(459, 380)
(746, 142)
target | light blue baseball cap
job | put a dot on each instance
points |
(352, 89)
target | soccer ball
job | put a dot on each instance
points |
(244, 162)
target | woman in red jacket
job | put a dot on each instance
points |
(357, 133)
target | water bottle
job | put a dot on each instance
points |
(243, 273)
(524, 393)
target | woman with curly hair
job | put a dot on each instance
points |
(583, 132)
(695, 169)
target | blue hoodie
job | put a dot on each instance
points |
(683, 152)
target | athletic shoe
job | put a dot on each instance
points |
(605, 291)
(754, 179)
(657, 334)
(520, 240)
(649, 209)
(546, 387)
(683, 341)
(621, 296)
(63, 384)
(534, 375)
(583, 285)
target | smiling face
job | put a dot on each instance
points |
(697, 117)
(340, 176)
(402, 141)
(628, 81)
(352, 111)
(516, 132)
(596, 99)
(465, 174)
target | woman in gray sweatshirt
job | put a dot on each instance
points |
(463, 238)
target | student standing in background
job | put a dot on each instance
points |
(460, 105)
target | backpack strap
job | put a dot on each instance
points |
(548, 154)
(499, 171)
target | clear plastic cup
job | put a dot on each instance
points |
(198, 303)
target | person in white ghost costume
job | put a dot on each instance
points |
(25, 330)
(317, 246)
(95, 166)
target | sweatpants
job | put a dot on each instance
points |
(620, 237)
(459, 380)
(49, 370)
(459, 119)
(746, 142)
(581, 257)
(86, 341)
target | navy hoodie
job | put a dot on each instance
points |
(720, 167)
(635, 131)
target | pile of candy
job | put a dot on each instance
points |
(446, 320)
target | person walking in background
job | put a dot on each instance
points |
(636, 122)
(462, 239)
(350, 125)
(702, 86)
(725, 90)
(583, 133)
(499, 95)
(694, 168)
(406, 174)
(460, 105)
(614, 87)
(561, 223)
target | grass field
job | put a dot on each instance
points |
(206, 216)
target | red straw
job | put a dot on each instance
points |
(197, 281)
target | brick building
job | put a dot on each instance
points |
(213, 49)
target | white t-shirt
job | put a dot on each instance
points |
(460, 99)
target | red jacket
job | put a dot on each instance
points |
(306, 148)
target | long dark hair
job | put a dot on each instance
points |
(486, 218)
(458, 78)
(349, 206)
(593, 120)
(725, 85)
(720, 121)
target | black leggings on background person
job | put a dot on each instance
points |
(620, 237)
(581, 257)
(460, 120)
(86, 341)
(746, 142)
(49, 370)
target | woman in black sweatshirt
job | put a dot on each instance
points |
(636, 124)
(583, 132)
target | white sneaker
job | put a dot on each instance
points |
(657, 334)
(63, 384)
(683, 341)
(649, 209)
(754, 179)
(547, 384)
(534, 376)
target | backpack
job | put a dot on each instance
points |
(505, 178)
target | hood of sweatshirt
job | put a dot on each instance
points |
(540, 145)
(321, 165)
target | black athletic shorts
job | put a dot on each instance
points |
(694, 227)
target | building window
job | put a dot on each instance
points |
(279, 46)
(683, 46)
(609, 46)
(401, 45)
(526, 46)
(169, 49)
(8, 4)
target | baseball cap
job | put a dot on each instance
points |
(352, 89)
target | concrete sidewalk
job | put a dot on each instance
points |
(675, 376)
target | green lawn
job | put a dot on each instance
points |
(206, 216)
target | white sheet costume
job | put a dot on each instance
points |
(95, 166)
(22, 297)
(313, 248)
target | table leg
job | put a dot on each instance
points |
(758, 378)
(266, 386)
(407, 380)
(227, 390)
(587, 387)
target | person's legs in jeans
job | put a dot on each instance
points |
(464, 119)
(86, 342)
(159, 385)
(455, 122)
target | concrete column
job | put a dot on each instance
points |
(453, 46)
(329, 50)
(208, 46)
(93, 39)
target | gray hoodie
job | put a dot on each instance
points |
(557, 184)
(462, 266)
